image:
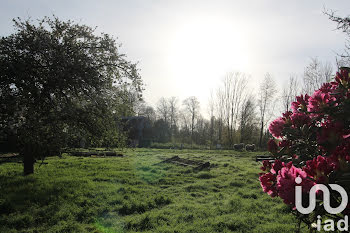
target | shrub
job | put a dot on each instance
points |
(311, 142)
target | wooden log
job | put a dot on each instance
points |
(110, 153)
(95, 154)
(264, 157)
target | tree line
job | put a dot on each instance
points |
(236, 113)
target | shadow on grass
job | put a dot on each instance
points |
(29, 202)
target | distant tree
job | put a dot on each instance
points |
(161, 131)
(201, 134)
(290, 90)
(211, 111)
(247, 120)
(231, 96)
(163, 109)
(192, 106)
(173, 114)
(220, 112)
(184, 126)
(343, 24)
(143, 109)
(149, 113)
(315, 74)
(59, 78)
(266, 94)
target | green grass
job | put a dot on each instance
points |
(138, 193)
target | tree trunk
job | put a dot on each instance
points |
(28, 163)
(192, 128)
(220, 132)
(261, 134)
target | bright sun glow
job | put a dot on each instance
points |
(203, 49)
(206, 45)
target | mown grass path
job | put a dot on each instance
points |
(138, 193)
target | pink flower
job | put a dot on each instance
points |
(267, 182)
(277, 166)
(266, 165)
(300, 105)
(319, 100)
(276, 127)
(318, 168)
(299, 119)
(333, 161)
(326, 115)
(286, 183)
(328, 87)
(286, 115)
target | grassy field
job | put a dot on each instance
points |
(138, 193)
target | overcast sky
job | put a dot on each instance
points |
(184, 48)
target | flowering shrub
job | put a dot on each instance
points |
(311, 142)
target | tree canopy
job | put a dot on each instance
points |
(59, 78)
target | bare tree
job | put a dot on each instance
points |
(211, 105)
(315, 74)
(149, 113)
(247, 119)
(163, 109)
(202, 126)
(142, 109)
(192, 106)
(173, 110)
(290, 91)
(233, 93)
(238, 88)
(220, 111)
(184, 125)
(343, 24)
(173, 114)
(267, 92)
(211, 110)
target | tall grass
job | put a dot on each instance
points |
(140, 193)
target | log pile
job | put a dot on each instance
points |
(96, 154)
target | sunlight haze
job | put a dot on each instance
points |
(184, 48)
